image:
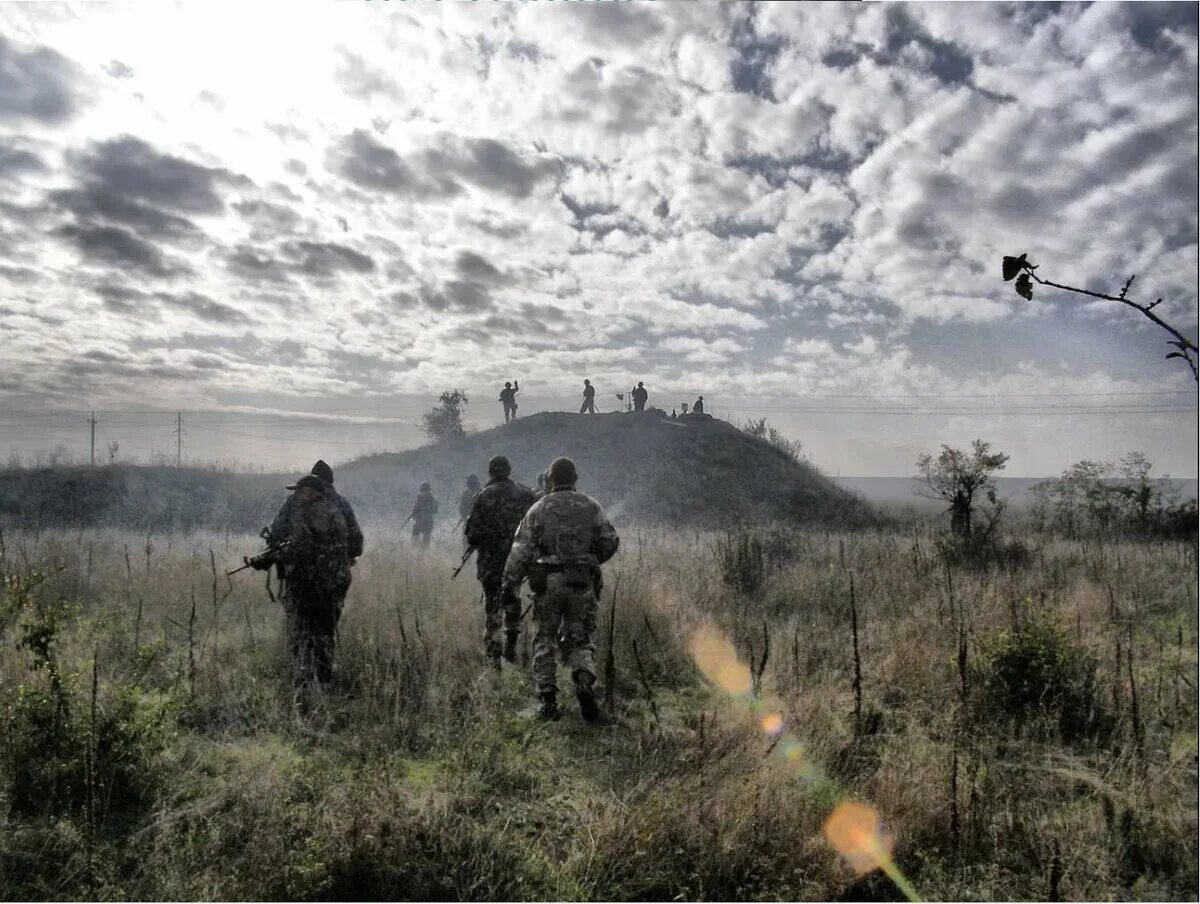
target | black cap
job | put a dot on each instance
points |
(322, 470)
(425, 487)
(563, 473)
(311, 481)
(499, 467)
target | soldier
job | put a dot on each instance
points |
(508, 398)
(322, 470)
(698, 408)
(541, 486)
(317, 563)
(684, 411)
(639, 397)
(422, 515)
(589, 398)
(560, 545)
(495, 513)
(467, 498)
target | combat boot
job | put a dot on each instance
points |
(587, 698)
(510, 646)
(548, 709)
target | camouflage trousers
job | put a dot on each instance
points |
(564, 622)
(312, 618)
(421, 532)
(502, 614)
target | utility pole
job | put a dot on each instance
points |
(92, 422)
(178, 438)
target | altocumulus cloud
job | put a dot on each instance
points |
(712, 193)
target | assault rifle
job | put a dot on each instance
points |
(463, 563)
(265, 559)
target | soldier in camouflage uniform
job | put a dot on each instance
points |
(495, 513)
(424, 508)
(560, 545)
(316, 563)
(467, 499)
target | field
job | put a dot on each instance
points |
(1026, 729)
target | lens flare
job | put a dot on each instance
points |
(718, 661)
(856, 832)
(854, 829)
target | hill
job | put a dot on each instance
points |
(643, 468)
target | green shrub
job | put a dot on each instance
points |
(65, 750)
(1038, 676)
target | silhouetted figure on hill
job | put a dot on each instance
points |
(589, 398)
(698, 408)
(495, 513)
(508, 398)
(422, 515)
(639, 397)
(683, 409)
(560, 545)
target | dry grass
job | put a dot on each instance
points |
(429, 778)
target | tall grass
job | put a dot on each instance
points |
(426, 776)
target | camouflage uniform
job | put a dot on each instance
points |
(422, 516)
(317, 563)
(281, 526)
(495, 513)
(560, 545)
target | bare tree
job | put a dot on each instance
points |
(1022, 270)
(959, 477)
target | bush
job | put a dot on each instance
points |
(1038, 675)
(743, 561)
(64, 750)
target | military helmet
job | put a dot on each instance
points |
(425, 487)
(322, 470)
(472, 480)
(640, 383)
(507, 385)
(562, 473)
(499, 467)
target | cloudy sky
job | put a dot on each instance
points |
(797, 210)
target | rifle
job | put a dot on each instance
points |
(463, 563)
(266, 558)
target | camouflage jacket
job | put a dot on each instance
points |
(354, 535)
(424, 509)
(495, 513)
(563, 528)
(318, 556)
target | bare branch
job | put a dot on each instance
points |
(1187, 349)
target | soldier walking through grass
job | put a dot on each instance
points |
(560, 545)
(316, 562)
(423, 511)
(495, 513)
